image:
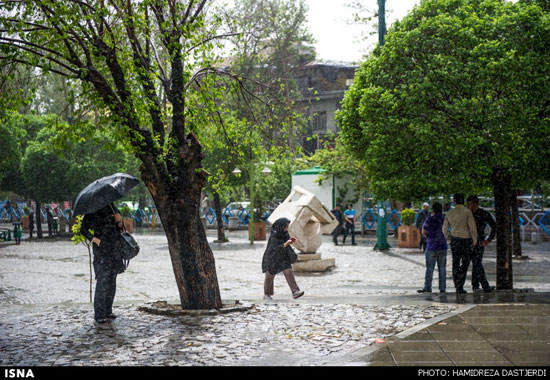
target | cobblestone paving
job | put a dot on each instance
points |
(296, 333)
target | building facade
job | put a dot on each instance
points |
(322, 86)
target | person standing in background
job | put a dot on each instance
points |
(482, 219)
(420, 219)
(462, 234)
(349, 216)
(337, 212)
(436, 249)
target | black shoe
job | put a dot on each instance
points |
(423, 291)
(461, 291)
(353, 243)
(442, 292)
(111, 316)
(101, 320)
(489, 289)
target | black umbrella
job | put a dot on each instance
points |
(102, 192)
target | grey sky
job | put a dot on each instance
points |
(337, 40)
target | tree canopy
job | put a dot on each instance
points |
(148, 69)
(458, 91)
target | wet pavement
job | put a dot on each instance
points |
(361, 308)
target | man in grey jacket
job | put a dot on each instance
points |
(462, 234)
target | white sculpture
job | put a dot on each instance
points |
(309, 219)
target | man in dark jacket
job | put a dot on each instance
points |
(106, 225)
(482, 219)
(339, 229)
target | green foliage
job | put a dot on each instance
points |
(459, 90)
(51, 168)
(273, 41)
(10, 154)
(125, 211)
(336, 159)
(407, 217)
(77, 237)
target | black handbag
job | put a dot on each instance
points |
(127, 248)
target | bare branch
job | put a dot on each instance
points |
(213, 38)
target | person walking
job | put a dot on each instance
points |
(482, 219)
(277, 258)
(420, 219)
(436, 249)
(106, 225)
(337, 212)
(349, 216)
(462, 234)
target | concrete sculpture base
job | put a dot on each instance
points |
(312, 262)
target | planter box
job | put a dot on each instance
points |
(408, 237)
(25, 223)
(259, 231)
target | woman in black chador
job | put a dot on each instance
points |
(277, 259)
(106, 225)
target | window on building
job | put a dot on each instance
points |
(319, 122)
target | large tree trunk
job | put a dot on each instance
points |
(502, 190)
(177, 198)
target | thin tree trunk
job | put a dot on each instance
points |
(38, 214)
(219, 218)
(501, 185)
(516, 236)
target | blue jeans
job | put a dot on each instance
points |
(439, 257)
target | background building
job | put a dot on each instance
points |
(322, 86)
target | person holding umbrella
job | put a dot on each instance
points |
(106, 225)
(102, 225)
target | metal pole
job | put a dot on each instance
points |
(252, 194)
(381, 228)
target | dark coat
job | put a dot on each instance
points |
(276, 257)
(105, 228)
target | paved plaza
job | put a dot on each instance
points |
(358, 313)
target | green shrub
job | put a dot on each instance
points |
(125, 211)
(407, 217)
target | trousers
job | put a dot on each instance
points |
(433, 257)
(461, 250)
(350, 228)
(270, 279)
(478, 272)
(106, 273)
